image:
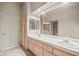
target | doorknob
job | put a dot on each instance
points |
(3, 33)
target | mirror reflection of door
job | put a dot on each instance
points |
(50, 28)
(55, 28)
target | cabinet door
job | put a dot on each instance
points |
(48, 48)
(46, 53)
(37, 50)
(30, 44)
(34, 48)
(60, 52)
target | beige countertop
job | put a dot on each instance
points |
(57, 42)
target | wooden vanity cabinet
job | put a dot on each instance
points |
(30, 45)
(37, 50)
(41, 49)
(34, 47)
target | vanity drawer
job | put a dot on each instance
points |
(46, 53)
(48, 48)
(60, 52)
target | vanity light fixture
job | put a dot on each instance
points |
(43, 12)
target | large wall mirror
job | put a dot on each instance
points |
(61, 22)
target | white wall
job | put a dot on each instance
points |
(10, 16)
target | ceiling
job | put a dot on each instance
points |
(36, 5)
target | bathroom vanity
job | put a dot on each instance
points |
(55, 33)
(43, 46)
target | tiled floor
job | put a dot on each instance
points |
(17, 51)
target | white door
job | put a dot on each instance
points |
(10, 25)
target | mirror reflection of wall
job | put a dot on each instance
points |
(37, 24)
(32, 24)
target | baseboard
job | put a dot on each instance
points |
(9, 48)
(26, 51)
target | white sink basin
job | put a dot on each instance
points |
(69, 44)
